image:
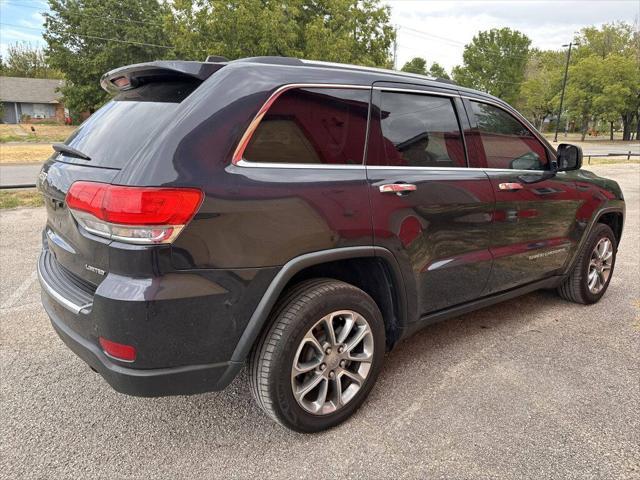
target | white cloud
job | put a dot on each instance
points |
(447, 26)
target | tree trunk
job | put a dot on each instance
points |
(585, 127)
(611, 132)
(638, 126)
(542, 119)
(626, 126)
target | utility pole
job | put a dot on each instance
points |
(395, 49)
(564, 84)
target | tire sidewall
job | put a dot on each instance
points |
(285, 405)
(602, 231)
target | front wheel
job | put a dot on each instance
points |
(592, 273)
(321, 356)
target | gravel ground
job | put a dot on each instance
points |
(531, 388)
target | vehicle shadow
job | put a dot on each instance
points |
(232, 413)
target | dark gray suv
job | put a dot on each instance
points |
(302, 217)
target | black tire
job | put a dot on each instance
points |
(575, 287)
(272, 358)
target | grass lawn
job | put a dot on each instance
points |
(608, 160)
(24, 152)
(576, 137)
(28, 197)
(43, 133)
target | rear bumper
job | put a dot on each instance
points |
(143, 383)
(184, 343)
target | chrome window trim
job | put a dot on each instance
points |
(440, 93)
(325, 166)
(244, 163)
(255, 122)
(465, 169)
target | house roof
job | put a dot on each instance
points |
(30, 90)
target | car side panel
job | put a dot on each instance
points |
(439, 233)
(262, 215)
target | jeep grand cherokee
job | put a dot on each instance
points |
(302, 217)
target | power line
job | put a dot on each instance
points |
(95, 37)
(419, 32)
(413, 31)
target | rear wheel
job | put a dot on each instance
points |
(592, 273)
(321, 356)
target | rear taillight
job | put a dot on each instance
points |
(143, 215)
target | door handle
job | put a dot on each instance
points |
(397, 188)
(510, 186)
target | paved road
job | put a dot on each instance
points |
(532, 388)
(21, 174)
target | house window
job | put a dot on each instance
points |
(38, 110)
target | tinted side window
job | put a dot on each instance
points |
(312, 125)
(418, 131)
(501, 141)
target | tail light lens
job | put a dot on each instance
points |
(141, 215)
(119, 351)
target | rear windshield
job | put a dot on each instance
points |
(112, 135)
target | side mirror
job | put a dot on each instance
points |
(569, 157)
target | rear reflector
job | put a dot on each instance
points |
(144, 215)
(119, 351)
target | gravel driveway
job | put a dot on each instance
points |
(531, 388)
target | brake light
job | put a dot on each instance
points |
(143, 215)
(121, 82)
(119, 351)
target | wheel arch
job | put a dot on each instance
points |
(611, 216)
(350, 264)
(615, 220)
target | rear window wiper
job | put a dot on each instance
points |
(70, 151)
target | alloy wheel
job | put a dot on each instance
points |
(600, 265)
(332, 362)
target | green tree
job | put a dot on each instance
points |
(24, 60)
(495, 62)
(437, 71)
(86, 38)
(610, 38)
(539, 93)
(617, 95)
(415, 65)
(349, 31)
(618, 79)
(583, 87)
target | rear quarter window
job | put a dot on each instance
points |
(312, 126)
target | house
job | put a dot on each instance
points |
(31, 100)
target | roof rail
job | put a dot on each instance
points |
(348, 66)
(273, 60)
(446, 80)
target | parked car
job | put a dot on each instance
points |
(302, 218)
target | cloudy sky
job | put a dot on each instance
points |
(435, 30)
(438, 30)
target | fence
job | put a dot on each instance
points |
(604, 155)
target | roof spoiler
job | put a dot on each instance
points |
(126, 78)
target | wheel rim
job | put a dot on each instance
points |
(600, 265)
(332, 362)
